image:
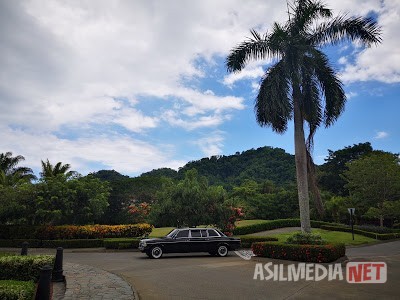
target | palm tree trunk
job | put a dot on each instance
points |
(301, 168)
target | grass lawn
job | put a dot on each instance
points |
(334, 237)
(249, 222)
(159, 232)
(5, 254)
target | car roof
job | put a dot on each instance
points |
(192, 228)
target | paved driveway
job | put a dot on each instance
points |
(205, 277)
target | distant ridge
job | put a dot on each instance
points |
(264, 163)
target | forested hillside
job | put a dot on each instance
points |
(265, 163)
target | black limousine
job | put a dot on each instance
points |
(185, 240)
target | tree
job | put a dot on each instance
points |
(190, 202)
(10, 173)
(336, 208)
(301, 84)
(374, 179)
(386, 209)
(48, 170)
(330, 177)
(81, 200)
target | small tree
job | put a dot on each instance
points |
(190, 202)
(387, 209)
(374, 179)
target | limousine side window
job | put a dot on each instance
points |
(212, 232)
(195, 233)
(183, 234)
(204, 233)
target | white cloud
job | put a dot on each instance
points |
(120, 152)
(350, 95)
(134, 120)
(251, 71)
(65, 64)
(212, 144)
(342, 60)
(381, 62)
(175, 119)
(381, 135)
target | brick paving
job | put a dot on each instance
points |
(89, 283)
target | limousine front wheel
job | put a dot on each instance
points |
(156, 252)
(222, 250)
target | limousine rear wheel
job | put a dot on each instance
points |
(156, 252)
(222, 250)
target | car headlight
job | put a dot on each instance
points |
(144, 244)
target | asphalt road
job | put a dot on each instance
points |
(204, 277)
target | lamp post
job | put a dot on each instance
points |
(351, 211)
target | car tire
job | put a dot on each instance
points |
(156, 252)
(222, 251)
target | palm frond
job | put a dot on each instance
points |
(306, 12)
(273, 106)
(365, 30)
(311, 102)
(256, 48)
(331, 86)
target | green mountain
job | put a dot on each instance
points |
(265, 163)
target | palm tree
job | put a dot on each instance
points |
(48, 170)
(10, 174)
(301, 84)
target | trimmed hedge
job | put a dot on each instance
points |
(377, 236)
(305, 253)
(73, 232)
(121, 243)
(23, 268)
(17, 290)
(274, 224)
(84, 243)
(376, 229)
(18, 243)
(247, 241)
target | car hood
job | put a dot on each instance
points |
(155, 240)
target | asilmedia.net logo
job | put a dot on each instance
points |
(356, 272)
(366, 272)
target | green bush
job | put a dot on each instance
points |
(18, 243)
(17, 290)
(47, 232)
(247, 241)
(386, 236)
(9, 232)
(121, 243)
(301, 238)
(376, 229)
(84, 243)
(23, 268)
(274, 224)
(305, 253)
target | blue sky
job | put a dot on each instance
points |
(138, 85)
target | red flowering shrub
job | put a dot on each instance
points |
(305, 253)
(69, 232)
(228, 225)
(139, 211)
